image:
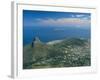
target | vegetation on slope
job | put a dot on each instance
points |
(72, 52)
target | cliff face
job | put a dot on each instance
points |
(36, 41)
(39, 49)
(66, 53)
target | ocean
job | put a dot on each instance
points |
(47, 34)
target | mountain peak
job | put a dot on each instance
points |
(36, 41)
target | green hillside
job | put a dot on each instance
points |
(72, 52)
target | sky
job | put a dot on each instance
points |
(56, 19)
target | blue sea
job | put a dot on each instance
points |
(47, 34)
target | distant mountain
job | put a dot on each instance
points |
(59, 53)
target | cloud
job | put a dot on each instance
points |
(81, 16)
(65, 22)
